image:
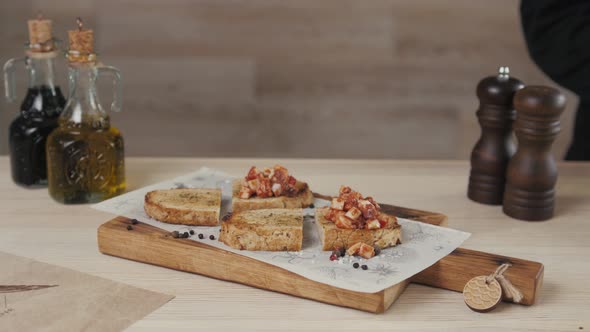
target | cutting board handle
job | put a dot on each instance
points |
(456, 269)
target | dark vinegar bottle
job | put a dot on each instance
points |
(28, 133)
(39, 111)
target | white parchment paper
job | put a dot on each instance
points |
(423, 244)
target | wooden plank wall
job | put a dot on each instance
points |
(298, 78)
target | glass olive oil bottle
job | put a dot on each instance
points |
(85, 154)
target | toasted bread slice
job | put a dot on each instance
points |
(197, 207)
(334, 237)
(267, 229)
(302, 200)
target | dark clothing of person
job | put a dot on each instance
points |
(557, 34)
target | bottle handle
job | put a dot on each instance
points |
(9, 77)
(117, 103)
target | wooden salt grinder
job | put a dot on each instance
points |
(532, 173)
(495, 147)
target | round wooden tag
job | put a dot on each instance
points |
(481, 296)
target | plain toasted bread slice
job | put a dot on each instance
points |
(334, 237)
(302, 200)
(267, 229)
(197, 207)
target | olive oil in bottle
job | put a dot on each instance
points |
(39, 110)
(85, 153)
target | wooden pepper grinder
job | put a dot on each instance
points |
(495, 147)
(532, 173)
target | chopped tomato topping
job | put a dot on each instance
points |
(370, 199)
(264, 188)
(343, 221)
(351, 210)
(270, 182)
(252, 173)
(344, 190)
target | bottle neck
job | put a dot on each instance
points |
(41, 72)
(83, 106)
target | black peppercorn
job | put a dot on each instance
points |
(311, 206)
(342, 252)
(211, 237)
(185, 234)
(355, 265)
(192, 232)
(377, 250)
(175, 234)
(129, 227)
(364, 267)
(201, 236)
(134, 221)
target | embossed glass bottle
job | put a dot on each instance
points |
(85, 153)
(39, 110)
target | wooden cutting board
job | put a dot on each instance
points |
(152, 245)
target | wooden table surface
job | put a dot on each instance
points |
(33, 225)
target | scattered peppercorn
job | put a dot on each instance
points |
(129, 227)
(342, 251)
(311, 206)
(377, 250)
(134, 221)
(211, 237)
(364, 267)
(175, 234)
(355, 265)
(185, 234)
(192, 232)
(201, 236)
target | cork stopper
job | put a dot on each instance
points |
(40, 34)
(81, 43)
